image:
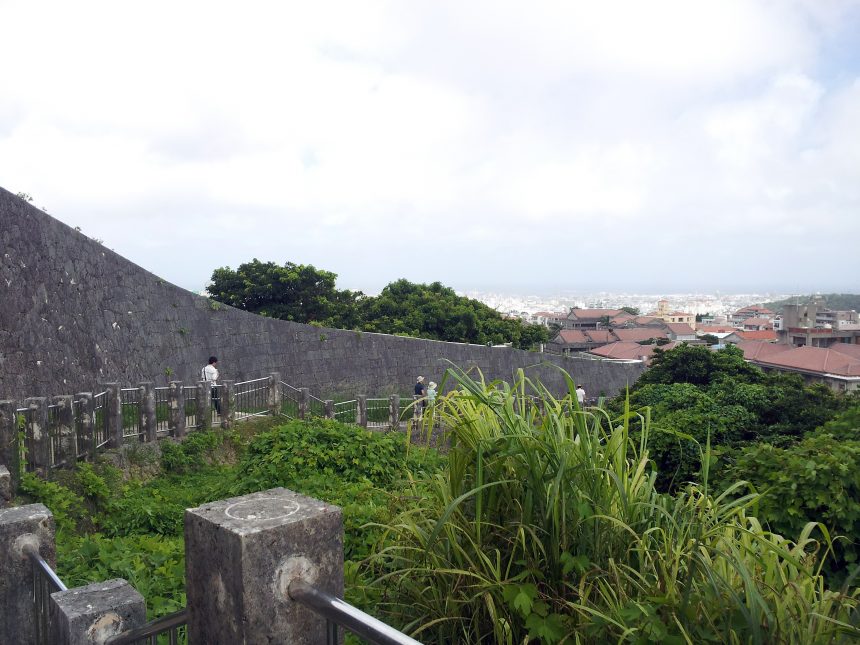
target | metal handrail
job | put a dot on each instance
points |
(38, 561)
(341, 612)
(168, 623)
(254, 380)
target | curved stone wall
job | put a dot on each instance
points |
(75, 314)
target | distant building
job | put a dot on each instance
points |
(817, 327)
(589, 318)
(752, 311)
(756, 323)
(674, 316)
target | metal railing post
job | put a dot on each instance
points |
(394, 411)
(176, 409)
(86, 422)
(39, 450)
(361, 410)
(304, 402)
(148, 425)
(204, 405)
(228, 404)
(275, 394)
(113, 413)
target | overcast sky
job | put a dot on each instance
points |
(652, 146)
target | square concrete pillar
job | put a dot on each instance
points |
(91, 614)
(21, 527)
(5, 486)
(241, 555)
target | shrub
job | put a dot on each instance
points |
(815, 480)
(547, 525)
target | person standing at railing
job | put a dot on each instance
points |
(580, 395)
(431, 394)
(420, 391)
(210, 375)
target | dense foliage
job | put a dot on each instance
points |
(547, 526)
(302, 293)
(297, 292)
(696, 395)
(109, 526)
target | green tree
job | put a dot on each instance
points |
(297, 292)
(633, 311)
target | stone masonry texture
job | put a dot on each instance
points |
(241, 555)
(75, 314)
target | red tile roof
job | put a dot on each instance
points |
(820, 360)
(755, 320)
(758, 334)
(592, 313)
(681, 329)
(628, 351)
(754, 309)
(571, 337)
(639, 333)
(716, 329)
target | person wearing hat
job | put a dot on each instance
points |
(420, 391)
(431, 394)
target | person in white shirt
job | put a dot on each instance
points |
(580, 395)
(210, 375)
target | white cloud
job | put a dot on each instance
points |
(333, 132)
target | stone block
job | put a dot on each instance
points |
(91, 614)
(241, 555)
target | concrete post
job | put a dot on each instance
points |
(6, 494)
(242, 554)
(91, 614)
(66, 444)
(113, 413)
(38, 437)
(10, 453)
(176, 409)
(275, 394)
(148, 421)
(394, 411)
(87, 439)
(20, 527)
(361, 410)
(228, 404)
(304, 402)
(329, 409)
(204, 405)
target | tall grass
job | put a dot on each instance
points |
(546, 526)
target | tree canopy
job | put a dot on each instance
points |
(302, 293)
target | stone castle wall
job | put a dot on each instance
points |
(74, 314)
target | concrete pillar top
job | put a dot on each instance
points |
(261, 511)
(95, 612)
(33, 512)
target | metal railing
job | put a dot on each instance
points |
(290, 397)
(190, 396)
(130, 398)
(339, 612)
(252, 398)
(316, 407)
(162, 411)
(100, 429)
(346, 411)
(174, 626)
(378, 413)
(45, 582)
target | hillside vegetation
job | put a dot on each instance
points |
(837, 301)
(712, 504)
